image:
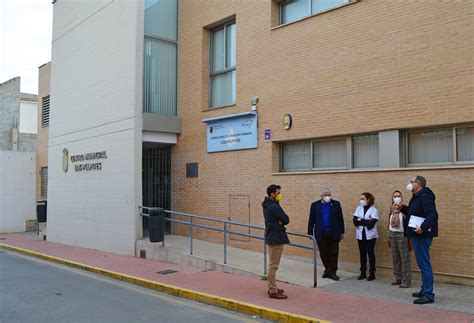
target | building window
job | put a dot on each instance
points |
(44, 181)
(160, 67)
(223, 90)
(296, 156)
(465, 144)
(430, 147)
(330, 154)
(365, 151)
(441, 146)
(293, 10)
(45, 112)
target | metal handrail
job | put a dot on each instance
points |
(226, 231)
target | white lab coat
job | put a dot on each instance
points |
(372, 213)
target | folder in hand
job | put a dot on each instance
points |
(415, 221)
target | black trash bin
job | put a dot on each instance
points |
(156, 225)
(41, 211)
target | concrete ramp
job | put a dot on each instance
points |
(210, 257)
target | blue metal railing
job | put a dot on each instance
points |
(225, 230)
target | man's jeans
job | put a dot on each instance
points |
(422, 253)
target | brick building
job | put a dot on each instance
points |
(378, 91)
(217, 99)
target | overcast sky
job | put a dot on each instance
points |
(25, 40)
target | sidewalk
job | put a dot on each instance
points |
(316, 303)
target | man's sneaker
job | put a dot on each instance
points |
(417, 294)
(404, 286)
(281, 291)
(278, 296)
(325, 275)
(371, 277)
(363, 275)
(423, 300)
(395, 283)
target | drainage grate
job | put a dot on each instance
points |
(166, 272)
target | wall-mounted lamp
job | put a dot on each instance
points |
(254, 100)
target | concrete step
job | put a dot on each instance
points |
(210, 256)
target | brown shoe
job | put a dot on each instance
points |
(280, 291)
(278, 296)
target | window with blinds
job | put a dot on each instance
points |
(160, 57)
(223, 66)
(441, 146)
(365, 151)
(44, 181)
(297, 9)
(45, 112)
(328, 154)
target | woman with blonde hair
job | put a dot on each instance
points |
(398, 242)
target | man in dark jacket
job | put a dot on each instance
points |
(275, 236)
(326, 223)
(422, 204)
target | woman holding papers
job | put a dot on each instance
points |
(399, 243)
(365, 221)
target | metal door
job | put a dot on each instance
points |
(239, 211)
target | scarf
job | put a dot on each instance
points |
(395, 217)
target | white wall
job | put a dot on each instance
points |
(17, 190)
(28, 117)
(96, 96)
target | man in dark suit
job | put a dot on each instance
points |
(326, 224)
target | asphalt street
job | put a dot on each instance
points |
(32, 290)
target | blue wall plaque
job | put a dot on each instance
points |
(232, 132)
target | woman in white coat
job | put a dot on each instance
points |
(365, 221)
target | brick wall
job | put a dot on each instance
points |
(370, 66)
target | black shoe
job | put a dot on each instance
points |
(396, 283)
(417, 294)
(333, 277)
(325, 275)
(362, 275)
(423, 300)
(371, 277)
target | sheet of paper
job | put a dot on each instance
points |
(415, 221)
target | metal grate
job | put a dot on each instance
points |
(44, 181)
(156, 179)
(167, 272)
(45, 112)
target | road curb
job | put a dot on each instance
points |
(230, 304)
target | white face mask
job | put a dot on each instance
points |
(363, 203)
(327, 199)
(410, 187)
(397, 200)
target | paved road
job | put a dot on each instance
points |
(32, 290)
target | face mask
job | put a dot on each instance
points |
(410, 187)
(279, 197)
(397, 200)
(363, 203)
(327, 199)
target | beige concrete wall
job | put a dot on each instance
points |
(367, 67)
(43, 132)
